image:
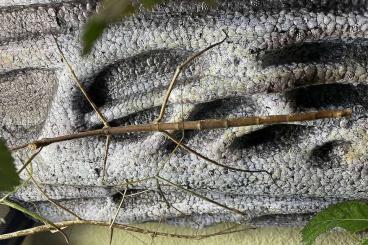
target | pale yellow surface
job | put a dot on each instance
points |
(92, 235)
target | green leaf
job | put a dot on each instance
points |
(9, 178)
(365, 241)
(351, 215)
(116, 10)
(210, 3)
(92, 31)
(112, 11)
(148, 4)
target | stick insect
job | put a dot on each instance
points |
(164, 128)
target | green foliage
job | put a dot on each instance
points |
(93, 30)
(151, 3)
(34, 215)
(351, 216)
(9, 178)
(114, 11)
(26, 211)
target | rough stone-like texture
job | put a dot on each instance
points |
(281, 57)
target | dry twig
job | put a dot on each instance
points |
(45, 228)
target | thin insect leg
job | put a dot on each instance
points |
(223, 232)
(93, 105)
(139, 193)
(162, 111)
(111, 234)
(53, 201)
(162, 194)
(170, 156)
(80, 85)
(48, 197)
(29, 160)
(185, 147)
(201, 196)
(181, 139)
(178, 70)
(120, 205)
(136, 237)
(217, 163)
(111, 229)
(132, 182)
(168, 204)
(107, 147)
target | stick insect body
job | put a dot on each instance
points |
(164, 127)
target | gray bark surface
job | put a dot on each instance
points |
(281, 57)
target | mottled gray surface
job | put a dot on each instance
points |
(281, 57)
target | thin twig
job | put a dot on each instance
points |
(49, 225)
(178, 70)
(196, 125)
(44, 228)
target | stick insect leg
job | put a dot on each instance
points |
(93, 105)
(178, 71)
(111, 229)
(107, 147)
(190, 150)
(168, 204)
(80, 85)
(234, 210)
(57, 204)
(29, 160)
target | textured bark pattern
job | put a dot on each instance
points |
(281, 57)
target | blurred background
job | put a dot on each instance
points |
(94, 235)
